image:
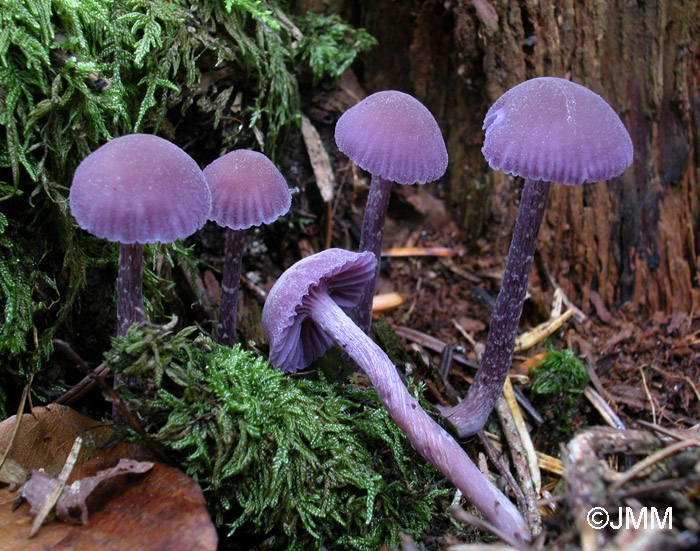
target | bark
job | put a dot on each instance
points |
(633, 240)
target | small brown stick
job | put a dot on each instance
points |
(520, 462)
(87, 383)
(646, 391)
(431, 343)
(606, 412)
(18, 418)
(528, 446)
(652, 460)
(677, 376)
(116, 399)
(501, 463)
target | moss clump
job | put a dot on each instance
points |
(211, 75)
(297, 463)
(558, 383)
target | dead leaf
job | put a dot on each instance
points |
(320, 161)
(74, 497)
(163, 510)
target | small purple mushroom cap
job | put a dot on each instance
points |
(139, 188)
(393, 135)
(247, 190)
(554, 130)
(295, 340)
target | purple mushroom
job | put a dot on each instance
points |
(247, 190)
(138, 189)
(544, 130)
(394, 137)
(306, 311)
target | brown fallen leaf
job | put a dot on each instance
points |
(163, 510)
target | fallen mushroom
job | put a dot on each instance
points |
(138, 189)
(544, 130)
(307, 309)
(395, 138)
(247, 190)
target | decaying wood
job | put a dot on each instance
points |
(631, 240)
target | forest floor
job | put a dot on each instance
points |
(632, 440)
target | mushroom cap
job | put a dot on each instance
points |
(246, 190)
(393, 135)
(139, 188)
(295, 340)
(554, 130)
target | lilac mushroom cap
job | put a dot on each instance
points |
(139, 188)
(393, 135)
(554, 130)
(545, 130)
(295, 340)
(247, 190)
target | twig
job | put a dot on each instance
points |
(677, 376)
(18, 418)
(501, 463)
(578, 314)
(652, 460)
(87, 383)
(444, 371)
(431, 343)
(519, 456)
(116, 399)
(528, 446)
(527, 406)
(541, 332)
(606, 412)
(646, 391)
(544, 461)
(461, 515)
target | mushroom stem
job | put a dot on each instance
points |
(470, 415)
(129, 286)
(430, 440)
(371, 240)
(233, 254)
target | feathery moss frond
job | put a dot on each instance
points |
(297, 462)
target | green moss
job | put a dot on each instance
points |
(299, 463)
(329, 45)
(558, 384)
(211, 75)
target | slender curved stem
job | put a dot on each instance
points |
(371, 240)
(432, 441)
(129, 286)
(228, 307)
(470, 415)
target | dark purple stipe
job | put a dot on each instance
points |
(307, 308)
(247, 190)
(129, 286)
(233, 254)
(371, 240)
(470, 415)
(544, 130)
